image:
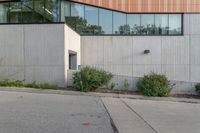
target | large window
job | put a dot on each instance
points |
(147, 24)
(92, 19)
(105, 21)
(175, 24)
(161, 24)
(133, 21)
(3, 13)
(89, 20)
(77, 10)
(52, 10)
(119, 23)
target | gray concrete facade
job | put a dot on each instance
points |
(40, 52)
(178, 57)
(37, 52)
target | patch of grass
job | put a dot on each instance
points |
(11, 83)
(17, 83)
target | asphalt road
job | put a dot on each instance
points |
(50, 113)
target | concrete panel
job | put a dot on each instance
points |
(141, 70)
(12, 72)
(183, 87)
(123, 70)
(44, 45)
(11, 45)
(176, 72)
(175, 50)
(187, 25)
(72, 43)
(122, 50)
(108, 52)
(146, 43)
(195, 50)
(47, 74)
(92, 50)
(195, 73)
(194, 24)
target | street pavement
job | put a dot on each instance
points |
(26, 112)
(49, 113)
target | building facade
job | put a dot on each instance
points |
(114, 35)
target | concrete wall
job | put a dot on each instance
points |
(178, 57)
(36, 52)
(72, 43)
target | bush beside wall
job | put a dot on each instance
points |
(154, 85)
(198, 88)
(89, 79)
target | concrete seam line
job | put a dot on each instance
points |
(111, 120)
(139, 116)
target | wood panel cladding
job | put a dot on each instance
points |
(147, 6)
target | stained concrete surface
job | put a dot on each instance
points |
(50, 113)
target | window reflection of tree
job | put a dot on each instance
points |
(81, 26)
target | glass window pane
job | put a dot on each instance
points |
(76, 19)
(91, 16)
(119, 23)
(65, 10)
(105, 21)
(4, 13)
(175, 24)
(133, 20)
(39, 11)
(51, 10)
(77, 10)
(161, 24)
(147, 24)
(15, 12)
(27, 11)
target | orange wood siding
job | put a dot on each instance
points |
(141, 6)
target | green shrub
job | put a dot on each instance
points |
(32, 85)
(126, 84)
(11, 83)
(154, 85)
(198, 88)
(89, 79)
(112, 85)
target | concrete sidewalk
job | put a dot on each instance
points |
(147, 116)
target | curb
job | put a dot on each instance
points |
(126, 96)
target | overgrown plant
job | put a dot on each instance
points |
(89, 79)
(154, 85)
(198, 88)
(126, 84)
(112, 85)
